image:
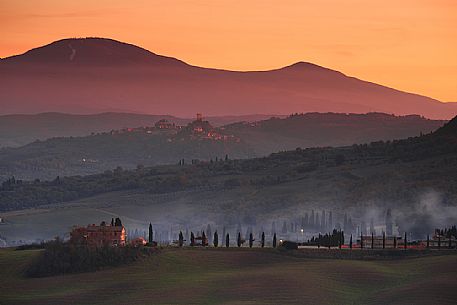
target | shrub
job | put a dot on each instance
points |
(60, 258)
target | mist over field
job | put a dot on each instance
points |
(231, 211)
(213, 152)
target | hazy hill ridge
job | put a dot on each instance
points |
(393, 172)
(66, 156)
(95, 74)
(20, 129)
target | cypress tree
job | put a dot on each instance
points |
(263, 239)
(383, 240)
(216, 239)
(227, 240)
(406, 242)
(204, 240)
(439, 241)
(274, 240)
(118, 222)
(112, 221)
(372, 240)
(192, 239)
(428, 241)
(330, 220)
(350, 242)
(238, 240)
(150, 233)
(395, 242)
(181, 239)
(251, 240)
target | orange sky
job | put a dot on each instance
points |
(406, 44)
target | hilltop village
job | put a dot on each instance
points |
(199, 129)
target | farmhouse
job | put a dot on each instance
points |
(97, 236)
(201, 241)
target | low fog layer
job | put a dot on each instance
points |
(171, 215)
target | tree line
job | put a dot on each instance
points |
(202, 239)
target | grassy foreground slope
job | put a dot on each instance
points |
(237, 276)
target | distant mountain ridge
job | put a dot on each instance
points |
(77, 75)
(91, 51)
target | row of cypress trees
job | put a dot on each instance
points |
(239, 240)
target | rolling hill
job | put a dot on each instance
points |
(415, 177)
(94, 74)
(20, 129)
(65, 156)
(328, 129)
(236, 276)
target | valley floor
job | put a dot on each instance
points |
(237, 276)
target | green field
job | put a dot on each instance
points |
(237, 276)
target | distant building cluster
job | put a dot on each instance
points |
(199, 129)
(203, 130)
(164, 124)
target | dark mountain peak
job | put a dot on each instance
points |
(307, 67)
(92, 50)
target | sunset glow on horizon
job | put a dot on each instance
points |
(408, 45)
